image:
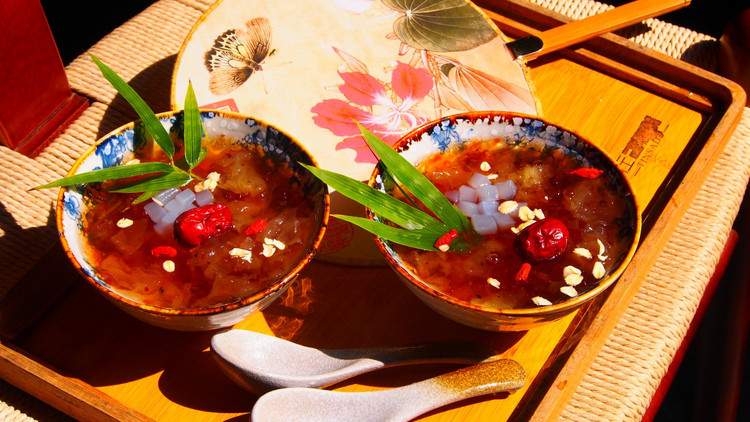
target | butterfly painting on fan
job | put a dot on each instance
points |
(237, 54)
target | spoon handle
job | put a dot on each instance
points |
(503, 375)
(444, 352)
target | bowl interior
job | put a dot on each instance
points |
(514, 130)
(118, 147)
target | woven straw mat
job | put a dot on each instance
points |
(623, 377)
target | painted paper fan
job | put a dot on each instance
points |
(312, 67)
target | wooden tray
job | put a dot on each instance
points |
(664, 121)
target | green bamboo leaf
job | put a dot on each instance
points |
(390, 183)
(173, 179)
(145, 196)
(380, 203)
(201, 156)
(182, 163)
(111, 173)
(147, 116)
(417, 239)
(418, 184)
(192, 128)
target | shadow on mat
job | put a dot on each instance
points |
(152, 83)
(29, 295)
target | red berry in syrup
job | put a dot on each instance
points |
(544, 240)
(195, 226)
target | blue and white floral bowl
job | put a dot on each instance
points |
(117, 147)
(517, 130)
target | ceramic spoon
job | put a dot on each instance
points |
(398, 404)
(260, 363)
(574, 32)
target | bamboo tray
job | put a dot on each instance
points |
(664, 121)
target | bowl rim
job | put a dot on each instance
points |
(564, 306)
(112, 294)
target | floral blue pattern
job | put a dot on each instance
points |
(72, 205)
(112, 151)
(444, 134)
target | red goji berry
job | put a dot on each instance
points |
(256, 227)
(523, 272)
(445, 240)
(586, 172)
(164, 252)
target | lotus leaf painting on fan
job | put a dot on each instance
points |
(440, 25)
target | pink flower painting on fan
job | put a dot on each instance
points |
(388, 107)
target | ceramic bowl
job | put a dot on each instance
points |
(114, 147)
(517, 129)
